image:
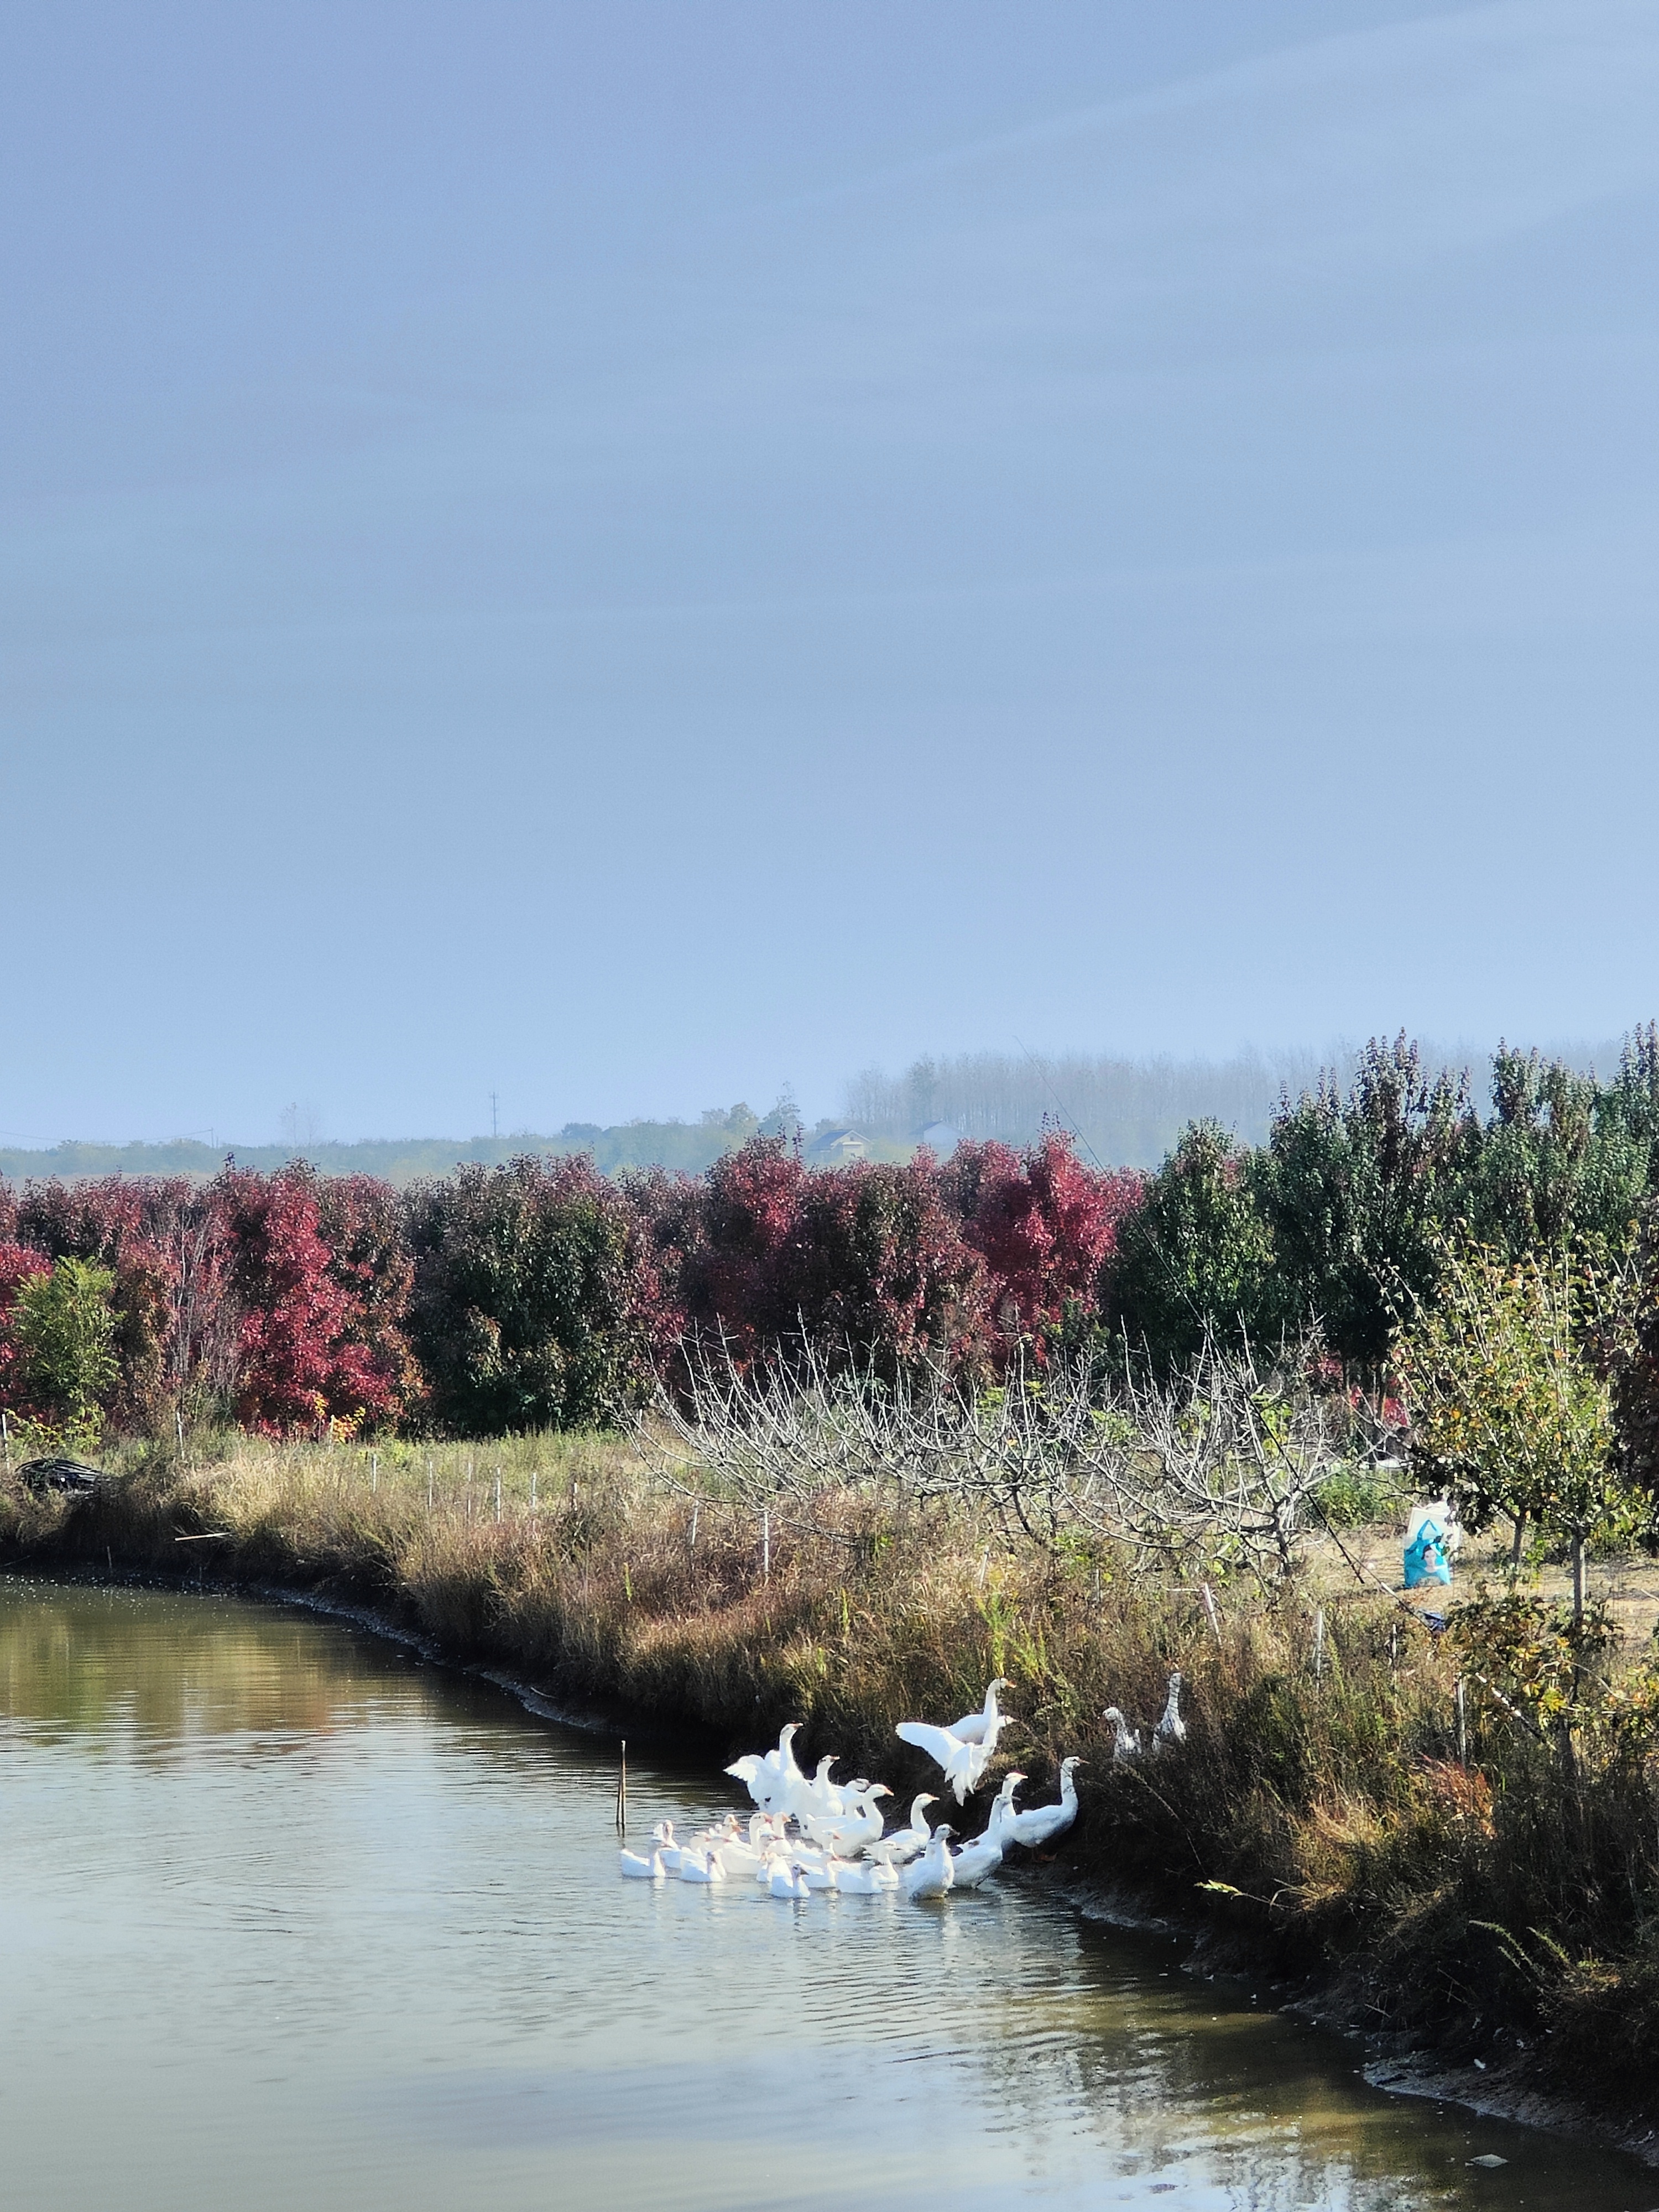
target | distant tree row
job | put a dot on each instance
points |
(541, 1292)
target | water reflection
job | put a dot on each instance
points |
(288, 1916)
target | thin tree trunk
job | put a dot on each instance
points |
(1577, 1580)
(1520, 1537)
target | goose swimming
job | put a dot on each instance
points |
(638, 1869)
(975, 1862)
(933, 1874)
(907, 1842)
(859, 1823)
(865, 1877)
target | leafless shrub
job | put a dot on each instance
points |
(1213, 1470)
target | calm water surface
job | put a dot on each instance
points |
(288, 1919)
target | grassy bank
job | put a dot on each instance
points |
(1490, 1885)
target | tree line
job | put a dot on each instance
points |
(543, 1293)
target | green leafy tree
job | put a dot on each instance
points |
(1195, 1262)
(524, 1313)
(1354, 1190)
(1563, 1158)
(1511, 1413)
(64, 1327)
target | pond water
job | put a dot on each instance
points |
(288, 1917)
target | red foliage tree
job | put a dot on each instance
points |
(142, 1229)
(1047, 1229)
(365, 1224)
(303, 1354)
(750, 1200)
(875, 1268)
(763, 1254)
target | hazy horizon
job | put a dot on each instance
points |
(987, 1093)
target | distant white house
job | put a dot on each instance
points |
(940, 1139)
(834, 1148)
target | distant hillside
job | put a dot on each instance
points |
(688, 1146)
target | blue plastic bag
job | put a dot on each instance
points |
(1425, 1556)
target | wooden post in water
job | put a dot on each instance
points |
(621, 1791)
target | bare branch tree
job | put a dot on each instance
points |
(1214, 1469)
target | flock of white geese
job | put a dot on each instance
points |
(809, 1833)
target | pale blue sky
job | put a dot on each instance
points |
(626, 555)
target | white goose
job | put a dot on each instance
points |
(701, 1866)
(860, 1823)
(1171, 1731)
(987, 1724)
(865, 1877)
(786, 1881)
(1126, 1741)
(933, 1874)
(908, 1842)
(751, 1770)
(1002, 1806)
(820, 1798)
(638, 1869)
(964, 1764)
(780, 1778)
(978, 1860)
(1044, 1822)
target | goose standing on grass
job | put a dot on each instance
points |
(986, 1725)
(1126, 1740)
(638, 1869)
(1042, 1823)
(1171, 1731)
(964, 1764)
(907, 1843)
(933, 1874)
